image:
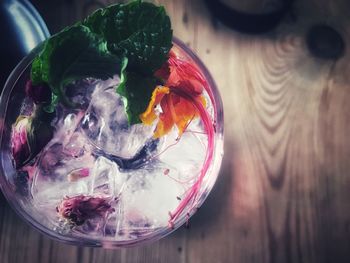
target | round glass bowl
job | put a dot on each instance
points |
(11, 102)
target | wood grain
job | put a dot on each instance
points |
(283, 192)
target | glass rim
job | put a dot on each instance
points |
(159, 232)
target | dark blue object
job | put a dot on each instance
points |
(251, 23)
(21, 29)
(325, 42)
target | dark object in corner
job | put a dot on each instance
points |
(252, 23)
(21, 28)
(325, 42)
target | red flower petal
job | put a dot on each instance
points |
(177, 74)
(185, 75)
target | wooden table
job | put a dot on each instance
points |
(284, 188)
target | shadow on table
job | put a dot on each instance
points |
(3, 201)
(2, 198)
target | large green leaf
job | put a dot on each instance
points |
(142, 33)
(73, 54)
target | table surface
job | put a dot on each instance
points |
(284, 188)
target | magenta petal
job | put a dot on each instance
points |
(38, 93)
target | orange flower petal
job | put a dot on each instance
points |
(185, 112)
(166, 121)
(176, 111)
(149, 115)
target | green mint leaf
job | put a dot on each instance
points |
(135, 90)
(36, 74)
(50, 108)
(73, 54)
(142, 33)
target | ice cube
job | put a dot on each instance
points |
(188, 151)
(150, 195)
(106, 125)
(63, 169)
(106, 178)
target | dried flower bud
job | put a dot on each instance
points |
(38, 93)
(29, 135)
(80, 208)
(19, 140)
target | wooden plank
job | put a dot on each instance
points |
(282, 195)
